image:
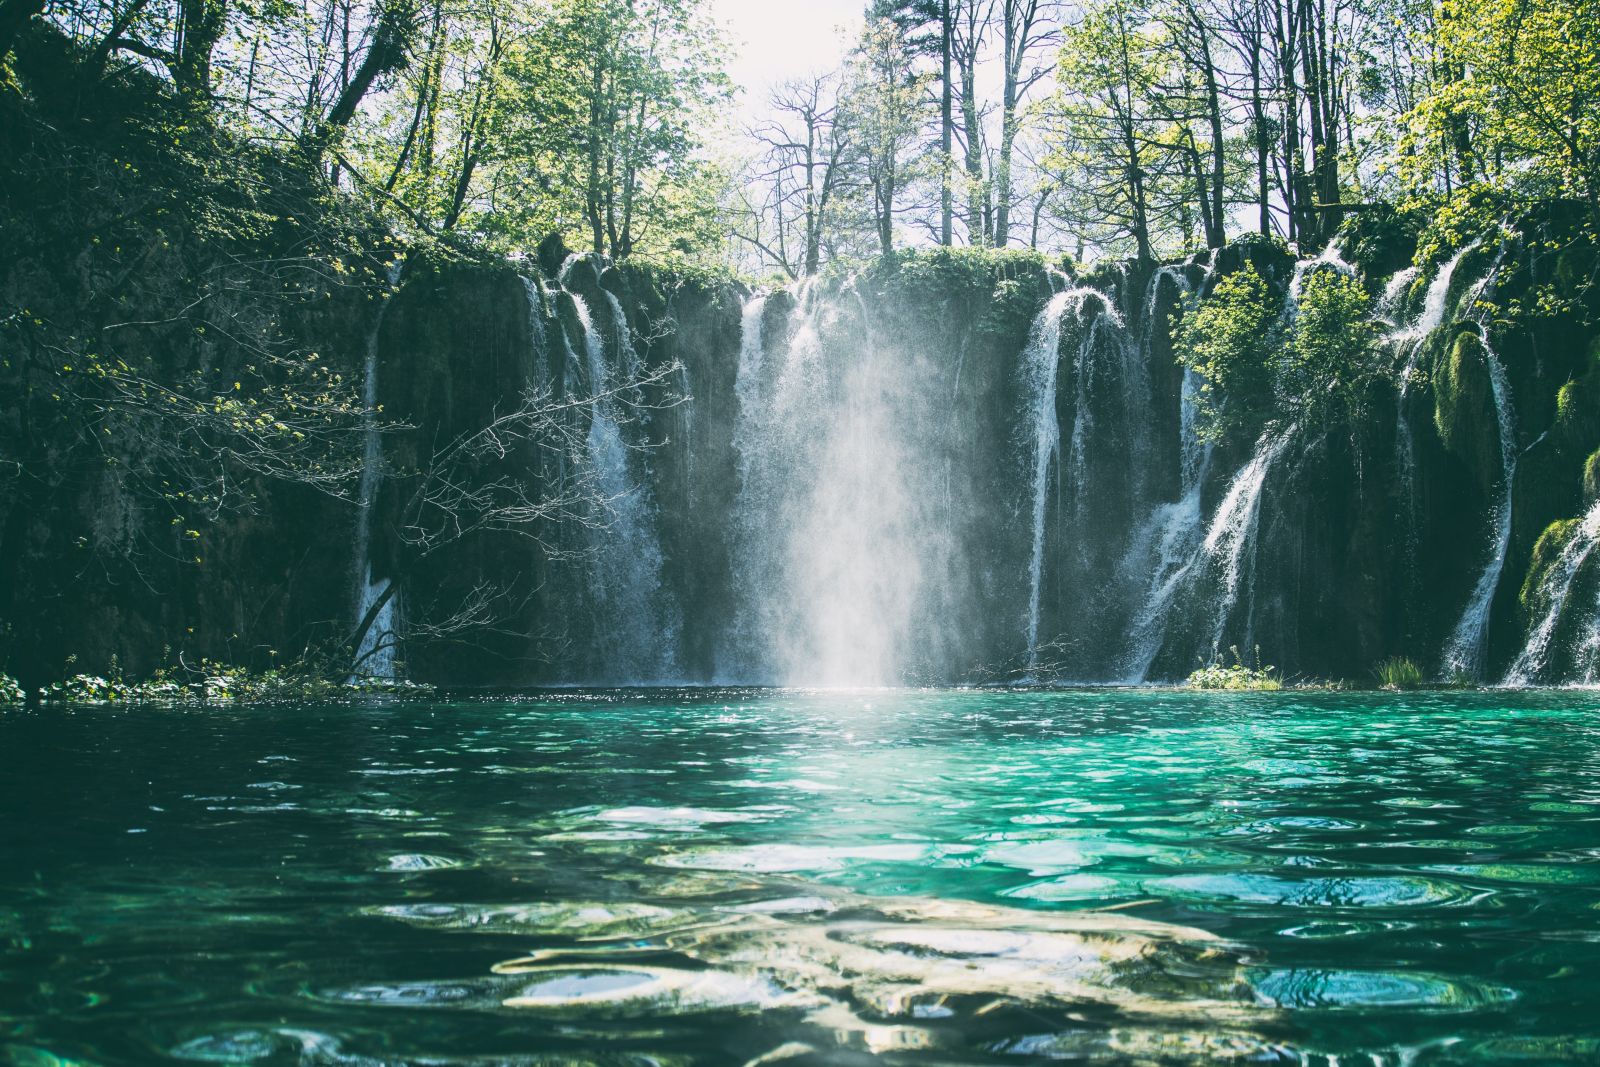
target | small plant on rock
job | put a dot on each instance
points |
(1238, 676)
(1397, 672)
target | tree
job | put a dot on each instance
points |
(885, 105)
(1519, 98)
(808, 163)
(1330, 359)
(607, 104)
(928, 28)
(1110, 64)
(1024, 32)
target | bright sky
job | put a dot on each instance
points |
(774, 40)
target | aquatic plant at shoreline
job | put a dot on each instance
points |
(1398, 672)
(1238, 676)
(212, 683)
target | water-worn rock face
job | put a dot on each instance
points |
(946, 468)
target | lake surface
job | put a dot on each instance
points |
(717, 876)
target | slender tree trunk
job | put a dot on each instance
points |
(946, 126)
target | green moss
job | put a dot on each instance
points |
(1591, 477)
(1546, 551)
(1578, 412)
(1463, 411)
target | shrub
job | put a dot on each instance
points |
(85, 689)
(1231, 339)
(1239, 676)
(218, 683)
(1331, 355)
(1397, 672)
(11, 691)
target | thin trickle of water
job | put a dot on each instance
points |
(376, 655)
(738, 658)
(1464, 651)
(1041, 362)
(1410, 341)
(537, 337)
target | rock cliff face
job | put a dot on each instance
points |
(948, 468)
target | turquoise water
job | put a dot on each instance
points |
(716, 876)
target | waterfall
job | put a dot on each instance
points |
(1161, 550)
(1464, 651)
(1225, 554)
(1041, 363)
(738, 656)
(537, 337)
(1231, 539)
(1555, 587)
(375, 656)
(636, 635)
(846, 567)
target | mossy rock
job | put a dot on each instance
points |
(1546, 551)
(1463, 411)
(1591, 477)
(1578, 412)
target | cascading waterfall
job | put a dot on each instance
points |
(1555, 589)
(1162, 549)
(1231, 540)
(376, 655)
(1224, 557)
(636, 634)
(862, 541)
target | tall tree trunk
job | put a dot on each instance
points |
(391, 37)
(1017, 31)
(946, 126)
(200, 25)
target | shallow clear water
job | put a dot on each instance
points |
(716, 876)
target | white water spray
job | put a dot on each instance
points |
(376, 654)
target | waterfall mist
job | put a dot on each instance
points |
(905, 476)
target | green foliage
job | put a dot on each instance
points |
(1383, 239)
(1232, 340)
(1518, 104)
(1237, 676)
(11, 691)
(1313, 367)
(212, 683)
(596, 130)
(1331, 356)
(1398, 672)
